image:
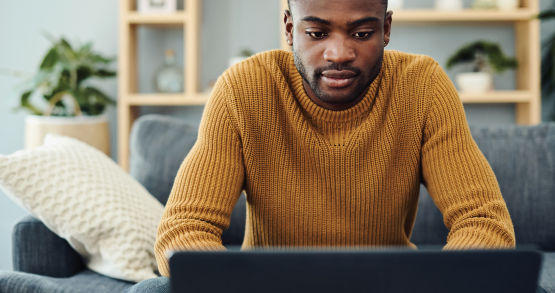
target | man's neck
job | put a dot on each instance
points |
(333, 107)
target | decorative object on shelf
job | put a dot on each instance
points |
(77, 108)
(157, 6)
(484, 4)
(396, 4)
(548, 61)
(507, 4)
(449, 5)
(246, 53)
(169, 78)
(485, 57)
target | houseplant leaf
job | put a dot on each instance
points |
(27, 105)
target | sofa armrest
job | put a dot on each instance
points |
(37, 250)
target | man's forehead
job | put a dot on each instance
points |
(354, 9)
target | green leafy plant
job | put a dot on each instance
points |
(246, 53)
(63, 72)
(548, 54)
(481, 54)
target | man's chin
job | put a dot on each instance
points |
(337, 96)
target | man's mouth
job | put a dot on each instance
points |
(338, 78)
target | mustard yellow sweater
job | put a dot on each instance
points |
(315, 177)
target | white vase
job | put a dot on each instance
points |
(395, 4)
(474, 82)
(507, 4)
(92, 130)
(449, 5)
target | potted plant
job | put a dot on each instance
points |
(485, 57)
(548, 62)
(71, 107)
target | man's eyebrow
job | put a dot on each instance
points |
(316, 19)
(363, 20)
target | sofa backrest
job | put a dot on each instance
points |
(158, 146)
(523, 160)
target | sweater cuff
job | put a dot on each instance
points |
(473, 238)
(193, 244)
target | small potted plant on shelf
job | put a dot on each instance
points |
(484, 57)
(548, 62)
(70, 106)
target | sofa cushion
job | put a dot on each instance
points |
(523, 160)
(547, 276)
(158, 146)
(86, 281)
(86, 198)
(52, 256)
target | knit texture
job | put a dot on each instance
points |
(316, 177)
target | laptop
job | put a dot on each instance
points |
(333, 271)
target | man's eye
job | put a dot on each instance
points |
(316, 35)
(363, 35)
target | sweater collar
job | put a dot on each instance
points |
(317, 112)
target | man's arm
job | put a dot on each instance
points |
(207, 185)
(458, 176)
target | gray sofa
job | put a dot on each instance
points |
(523, 159)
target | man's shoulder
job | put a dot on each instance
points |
(397, 61)
(260, 66)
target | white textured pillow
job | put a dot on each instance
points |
(83, 196)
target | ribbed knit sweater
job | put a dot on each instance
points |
(316, 177)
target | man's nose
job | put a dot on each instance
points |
(339, 51)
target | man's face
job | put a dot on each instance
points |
(338, 45)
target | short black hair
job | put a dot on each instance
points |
(384, 2)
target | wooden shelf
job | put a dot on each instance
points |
(431, 15)
(128, 79)
(497, 97)
(167, 99)
(174, 19)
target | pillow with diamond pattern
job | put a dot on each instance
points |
(84, 197)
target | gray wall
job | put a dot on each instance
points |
(228, 27)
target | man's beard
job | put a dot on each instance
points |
(364, 81)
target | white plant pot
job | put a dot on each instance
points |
(92, 130)
(507, 4)
(474, 82)
(449, 5)
(395, 4)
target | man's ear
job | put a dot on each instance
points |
(288, 22)
(387, 26)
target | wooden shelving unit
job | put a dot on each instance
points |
(527, 43)
(527, 95)
(129, 99)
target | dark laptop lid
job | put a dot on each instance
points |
(475, 271)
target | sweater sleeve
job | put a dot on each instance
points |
(458, 176)
(207, 185)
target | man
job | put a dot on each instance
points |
(331, 143)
